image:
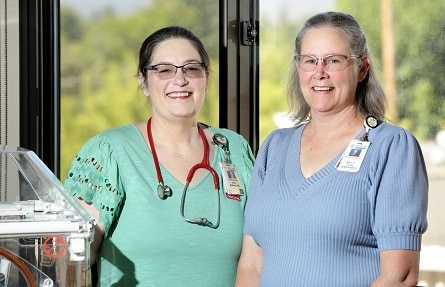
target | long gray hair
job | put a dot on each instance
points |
(369, 94)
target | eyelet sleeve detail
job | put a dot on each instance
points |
(94, 177)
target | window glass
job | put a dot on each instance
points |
(416, 95)
(100, 42)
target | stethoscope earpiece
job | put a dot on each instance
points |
(164, 191)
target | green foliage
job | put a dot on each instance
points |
(99, 60)
(276, 52)
(419, 28)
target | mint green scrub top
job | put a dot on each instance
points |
(147, 242)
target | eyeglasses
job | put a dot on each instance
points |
(331, 63)
(168, 71)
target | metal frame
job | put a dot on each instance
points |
(40, 75)
(39, 80)
(239, 87)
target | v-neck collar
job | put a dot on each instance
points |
(292, 167)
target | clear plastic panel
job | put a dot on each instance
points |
(45, 234)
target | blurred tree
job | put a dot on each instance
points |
(276, 51)
(99, 58)
(420, 57)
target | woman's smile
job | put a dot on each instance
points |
(176, 95)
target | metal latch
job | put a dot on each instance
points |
(249, 33)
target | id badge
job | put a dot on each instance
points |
(231, 180)
(353, 156)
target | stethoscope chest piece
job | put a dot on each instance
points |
(164, 191)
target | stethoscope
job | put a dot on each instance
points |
(165, 191)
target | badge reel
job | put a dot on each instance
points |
(223, 143)
(370, 123)
(232, 184)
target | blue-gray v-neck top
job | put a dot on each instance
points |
(328, 229)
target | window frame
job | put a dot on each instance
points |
(40, 75)
(39, 79)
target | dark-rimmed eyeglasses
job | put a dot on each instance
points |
(168, 71)
(331, 63)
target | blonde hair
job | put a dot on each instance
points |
(370, 96)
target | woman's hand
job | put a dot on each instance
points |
(399, 268)
(98, 229)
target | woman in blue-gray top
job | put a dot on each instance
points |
(340, 199)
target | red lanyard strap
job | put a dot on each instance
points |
(153, 151)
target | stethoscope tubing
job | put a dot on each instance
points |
(203, 164)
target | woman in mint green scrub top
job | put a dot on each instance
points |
(168, 212)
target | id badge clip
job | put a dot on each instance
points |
(231, 181)
(352, 158)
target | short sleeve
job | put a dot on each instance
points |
(400, 193)
(267, 153)
(94, 177)
(246, 166)
(258, 175)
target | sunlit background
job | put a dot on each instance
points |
(100, 42)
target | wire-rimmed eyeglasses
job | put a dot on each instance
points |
(168, 71)
(331, 63)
